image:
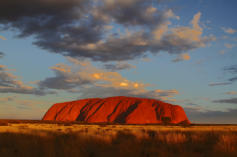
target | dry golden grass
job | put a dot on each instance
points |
(36, 138)
(227, 143)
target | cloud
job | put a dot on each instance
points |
(193, 34)
(222, 52)
(9, 83)
(82, 74)
(80, 62)
(231, 93)
(181, 39)
(219, 83)
(230, 69)
(129, 12)
(182, 57)
(119, 66)
(229, 101)
(165, 95)
(233, 79)
(195, 21)
(146, 59)
(229, 30)
(90, 81)
(65, 78)
(3, 38)
(233, 70)
(102, 30)
(1, 55)
(229, 46)
(196, 115)
(19, 107)
(28, 103)
(193, 104)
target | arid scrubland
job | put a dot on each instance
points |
(69, 139)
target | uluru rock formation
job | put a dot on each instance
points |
(120, 109)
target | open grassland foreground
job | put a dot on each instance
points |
(32, 139)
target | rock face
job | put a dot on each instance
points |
(126, 110)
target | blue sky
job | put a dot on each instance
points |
(182, 52)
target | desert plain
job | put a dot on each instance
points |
(47, 138)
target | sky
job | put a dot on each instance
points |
(179, 51)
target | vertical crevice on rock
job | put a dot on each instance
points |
(122, 117)
(115, 109)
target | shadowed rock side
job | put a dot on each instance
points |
(126, 110)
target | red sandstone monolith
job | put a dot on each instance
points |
(120, 109)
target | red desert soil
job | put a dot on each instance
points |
(120, 109)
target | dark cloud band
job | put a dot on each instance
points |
(79, 28)
(1, 55)
(229, 101)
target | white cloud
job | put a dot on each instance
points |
(182, 57)
(229, 30)
(184, 38)
(192, 34)
(229, 46)
(231, 93)
(161, 30)
(90, 81)
(10, 83)
(2, 37)
(195, 21)
(222, 52)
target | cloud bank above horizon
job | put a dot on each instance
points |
(100, 30)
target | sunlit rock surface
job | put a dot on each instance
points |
(120, 109)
